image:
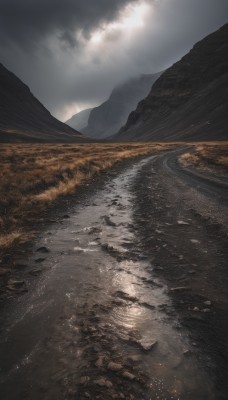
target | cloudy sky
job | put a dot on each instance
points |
(72, 53)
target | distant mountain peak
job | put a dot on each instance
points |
(106, 119)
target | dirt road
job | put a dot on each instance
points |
(130, 296)
(182, 221)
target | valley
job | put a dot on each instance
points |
(114, 224)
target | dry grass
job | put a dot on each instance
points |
(207, 156)
(34, 176)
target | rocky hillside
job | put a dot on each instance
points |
(190, 100)
(108, 118)
(24, 118)
(80, 120)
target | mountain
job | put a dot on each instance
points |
(80, 120)
(107, 119)
(190, 99)
(24, 118)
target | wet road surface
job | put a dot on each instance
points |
(99, 324)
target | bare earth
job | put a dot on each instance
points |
(125, 291)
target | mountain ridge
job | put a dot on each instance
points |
(189, 100)
(107, 118)
(24, 118)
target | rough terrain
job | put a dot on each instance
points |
(127, 292)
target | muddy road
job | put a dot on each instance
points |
(130, 297)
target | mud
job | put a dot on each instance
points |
(103, 316)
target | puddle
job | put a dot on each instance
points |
(98, 303)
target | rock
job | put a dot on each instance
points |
(87, 395)
(103, 382)
(186, 352)
(128, 375)
(35, 272)
(99, 363)
(112, 366)
(196, 309)
(84, 379)
(43, 249)
(182, 223)
(206, 310)
(207, 303)
(147, 344)
(134, 358)
(65, 216)
(39, 260)
(195, 241)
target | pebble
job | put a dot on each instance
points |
(112, 366)
(128, 375)
(186, 352)
(182, 223)
(207, 303)
(43, 249)
(39, 260)
(99, 362)
(35, 272)
(103, 382)
(146, 344)
(84, 379)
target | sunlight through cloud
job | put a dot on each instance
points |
(132, 18)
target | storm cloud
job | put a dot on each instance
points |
(73, 52)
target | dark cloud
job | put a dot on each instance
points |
(28, 22)
(52, 45)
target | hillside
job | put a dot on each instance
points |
(80, 120)
(190, 99)
(24, 118)
(106, 119)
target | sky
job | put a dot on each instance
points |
(72, 53)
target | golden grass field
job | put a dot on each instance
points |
(34, 176)
(207, 156)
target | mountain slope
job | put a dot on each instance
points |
(107, 119)
(80, 120)
(24, 118)
(190, 99)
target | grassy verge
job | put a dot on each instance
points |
(207, 157)
(34, 176)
